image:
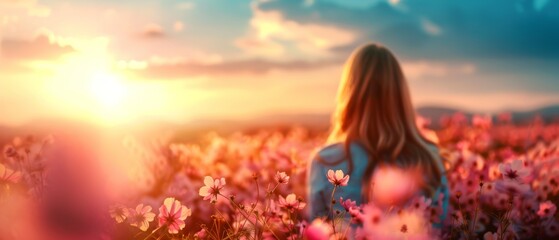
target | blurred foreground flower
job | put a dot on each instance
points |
(400, 225)
(318, 230)
(393, 186)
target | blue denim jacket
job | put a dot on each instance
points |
(334, 157)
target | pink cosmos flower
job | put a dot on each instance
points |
(8, 175)
(372, 215)
(514, 171)
(211, 188)
(547, 209)
(118, 212)
(201, 234)
(483, 122)
(490, 236)
(281, 178)
(318, 230)
(337, 178)
(513, 188)
(397, 225)
(420, 203)
(347, 204)
(505, 117)
(291, 202)
(356, 215)
(141, 217)
(172, 214)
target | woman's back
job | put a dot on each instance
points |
(334, 157)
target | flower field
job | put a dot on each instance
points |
(504, 184)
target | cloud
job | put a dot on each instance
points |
(262, 47)
(44, 46)
(185, 6)
(177, 69)
(30, 7)
(430, 27)
(416, 70)
(153, 30)
(271, 29)
(441, 29)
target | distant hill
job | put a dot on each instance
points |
(548, 114)
(192, 130)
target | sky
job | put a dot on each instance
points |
(182, 60)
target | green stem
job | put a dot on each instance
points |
(332, 208)
(151, 234)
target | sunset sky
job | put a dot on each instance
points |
(180, 60)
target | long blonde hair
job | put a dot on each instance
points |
(374, 109)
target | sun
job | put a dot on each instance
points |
(86, 86)
(107, 90)
(108, 95)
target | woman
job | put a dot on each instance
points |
(374, 128)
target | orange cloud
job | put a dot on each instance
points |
(421, 69)
(153, 31)
(250, 66)
(44, 46)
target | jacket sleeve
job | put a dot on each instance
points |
(317, 183)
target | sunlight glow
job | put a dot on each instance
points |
(107, 90)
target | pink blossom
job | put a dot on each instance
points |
(505, 117)
(347, 204)
(141, 217)
(514, 171)
(392, 186)
(172, 215)
(372, 215)
(281, 178)
(547, 209)
(513, 188)
(490, 236)
(483, 122)
(301, 226)
(356, 215)
(291, 202)
(201, 234)
(420, 203)
(337, 178)
(395, 225)
(211, 188)
(118, 212)
(318, 230)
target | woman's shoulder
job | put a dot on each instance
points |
(433, 147)
(435, 150)
(336, 153)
